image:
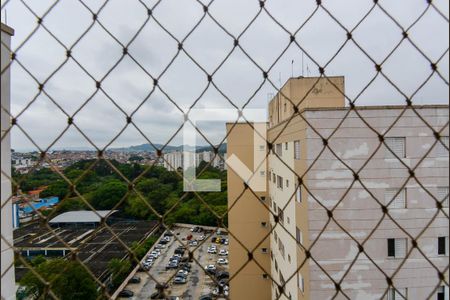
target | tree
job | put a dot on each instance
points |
(119, 270)
(58, 188)
(68, 281)
(108, 194)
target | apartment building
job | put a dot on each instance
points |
(356, 232)
(175, 160)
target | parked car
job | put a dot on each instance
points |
(168, 233)
(212, 250)
(160, 246)
(179, 280)
(224, 283)
(213, 240)
(193, 243)
(223, 252)
(134, 279)
(222, 275)
(206, 297)
(126, 294)
(182, 273)
(201, 238)
(173, 298)
(172, 265)
(210, 268)
(189, 237)
(222, 261)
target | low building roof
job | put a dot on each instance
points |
(81, 216)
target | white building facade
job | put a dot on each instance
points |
(8, 289)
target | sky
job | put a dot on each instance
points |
(236, 78)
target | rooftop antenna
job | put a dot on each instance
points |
(292, 67)
(303, 63)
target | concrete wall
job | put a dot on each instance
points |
(359, 213)
(7, 257)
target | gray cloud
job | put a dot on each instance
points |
(238, 78)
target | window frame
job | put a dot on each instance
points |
(388, 143)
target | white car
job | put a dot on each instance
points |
(160, 246)
(212, 250)
(193, 243)
(182, 273)
(167, 238)
(210, 268)
(223, 252)
(222, 261)
(201, 238)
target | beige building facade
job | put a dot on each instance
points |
(313, 202)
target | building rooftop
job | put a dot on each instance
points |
(81, 216)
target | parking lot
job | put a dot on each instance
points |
(198, 283)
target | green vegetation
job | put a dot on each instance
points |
(68, 280)
(141, 249)
(119, 270)
(103, 188)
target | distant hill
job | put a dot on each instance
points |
(168, 148)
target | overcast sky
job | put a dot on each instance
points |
(208, 45)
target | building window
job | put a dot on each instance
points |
(297, 150)
(397, 293)
(281, 248)
(442, 151)
(298, 194)
(285, 107)
(396, 247)
(265, 276)
(264, 224)
(298, 236)
(262, 173)
(301, 282)
(289, 258)
(400, 199)
(279, 150)
(262, 147)
(263, 198)
(264, 250)
(287, 183)
(443, 245)
(279, 182)
(288, 220)
(274, 178)
(443, 195)
(276, 265)
(281, 215)
(441, 293)
(286, 146)
(397, 145)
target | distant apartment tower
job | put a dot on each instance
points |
(313, 197)
(175, 160)
(8, 290)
